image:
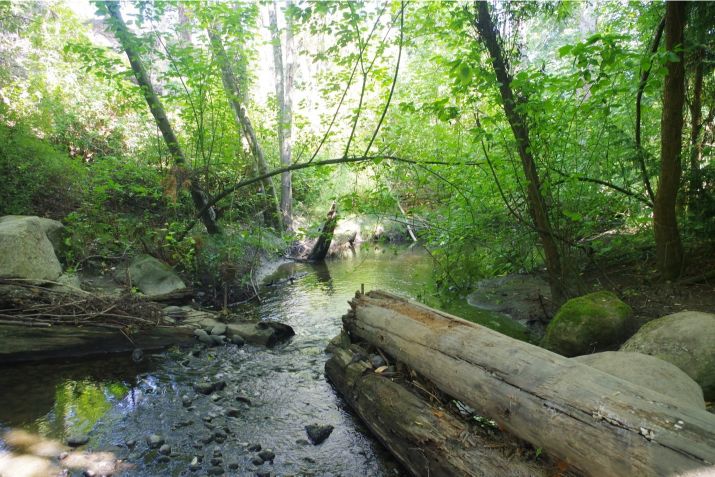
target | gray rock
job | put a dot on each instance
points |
(233, 412)
(593, 322)
(376, 360)
(25, 250)
(318, 433)
(649, 372)
(686, 340)
(216, 470)
(185, 400)
(257, 461)
(205, 387)
(254, 447)
(264, 333)
(165, 449)
(76, 440)
(218, 340)
(153, 277)
(218, 329)
(267, 455)
(154, 441)
(237, 340)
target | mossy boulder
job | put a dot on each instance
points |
(593, 322)
(153, 277)
(685, 339)
(25, 249)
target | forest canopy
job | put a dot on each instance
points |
(506, 137)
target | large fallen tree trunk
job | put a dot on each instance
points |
(322, 245)
(425, 438)
(594, 421)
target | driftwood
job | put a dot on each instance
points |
(322, 245)
(425, 437)
(591, 420)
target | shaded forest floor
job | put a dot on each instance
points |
(634, 279)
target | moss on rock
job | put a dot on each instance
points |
(589, 323)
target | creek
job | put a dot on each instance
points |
(272, 394)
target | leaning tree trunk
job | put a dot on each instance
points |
(128, 42)
(669, 250)
(594, 421)
(284, 94)
(231, 85)
(322, 245)
(517, 121)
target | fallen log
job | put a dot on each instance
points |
(322, 245)
(425, 438)
(598, 423)
(23, 343)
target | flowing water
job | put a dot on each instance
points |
(272, 393)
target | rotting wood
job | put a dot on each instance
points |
(592, 420)
(322, 245)
(425, 438)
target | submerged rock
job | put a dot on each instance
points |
(318, 433)
(264, 333)
(77, 440)
(649, 372)
(685, 339)
(589, 323)
(154, 441)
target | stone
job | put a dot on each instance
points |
(185, 401)
(267, 455)
(686, 340)
(233, 412)
(165, 449)
(263, 333)
(131, 444)
(254, 447)
(589, 323)
(219, 329)
(216, 470)
(25, 250)
(649, 372)
(204, 387)
(233, 465)
(376, 360)
(237, 340)
(257, 461)
(318, 433)
(76, 440)
(153, 277)
(154, 441)
(68, 283)
(218, 340)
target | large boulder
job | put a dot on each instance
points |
(153, 277)
(649, 372)
(685, 339)
(25, 250)
(263, 333)
(589, 323)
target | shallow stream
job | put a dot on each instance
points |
(272, 393)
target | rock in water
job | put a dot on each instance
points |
(649, 372)
(589, 323)
(25, 249)
(137, 355)
(318, 433)
(153, 277)
(154, 441)
(685, 339)
(218, 329)
(76, 440)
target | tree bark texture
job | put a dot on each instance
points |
(233, 92)
(669, 250)
(696, 118)
(427, 440)
(596, 422)
(284, 74)
(537, 205)
(322, 245)
(128, 42)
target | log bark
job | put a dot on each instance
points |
(322, 245)
(427, 440)
(129, 44)
(593, 421)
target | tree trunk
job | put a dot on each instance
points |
(669, 250)
(233, 92)
(284, 95)
(322, 245)
(517, 121)
(128, 42)
(425, 438)
(696, 119)
(600, 424)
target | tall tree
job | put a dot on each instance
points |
(233, 92)
(284, 73)
(669, 249)
(129, 43)
(518, 122)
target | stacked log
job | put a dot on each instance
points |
(592, 421)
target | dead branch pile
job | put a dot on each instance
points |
(28, 304)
